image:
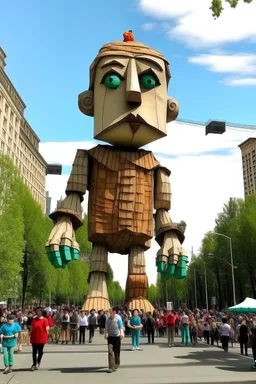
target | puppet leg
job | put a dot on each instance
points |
(97, 297)
(137, 281)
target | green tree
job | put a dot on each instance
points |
(237, 221)
(78, 276)
(153, 294)
(35, 265)
(11, 227)
(115, 292)
(217, 6)
(82, 238)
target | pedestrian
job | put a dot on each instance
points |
(9, 333)
(206, 332)
(83, 323)
(38, 337)
(135, 325)
(193, 331)
(150, 327)
(73, 323)
(184, 321)
(213, 331)
(243, 337)
(225, 334)
(253, 343)
(92, 323)
(65, 320)
(114, 333)
(171, 319)
(102, 321)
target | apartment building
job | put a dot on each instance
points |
(17, 138)
(248, 149)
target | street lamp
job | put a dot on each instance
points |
(205, 283)
(195, 288)
(231, 262)
(206, 288)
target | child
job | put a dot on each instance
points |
(9, 333)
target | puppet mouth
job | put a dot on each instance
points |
(134, 120)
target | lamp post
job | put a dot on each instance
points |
(206, 289)
(195, 288)
(206, 286)
(231, 262)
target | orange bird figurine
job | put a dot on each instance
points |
(128, 36)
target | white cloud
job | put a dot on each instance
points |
(237, 63)
(149, 26)
(247, 81)
(63, 152)
(202, 181)
(191, 22)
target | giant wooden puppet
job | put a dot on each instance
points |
(128, 99)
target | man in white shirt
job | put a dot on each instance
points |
(83, 323)
(225, 334)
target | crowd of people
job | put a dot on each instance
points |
(71, 325)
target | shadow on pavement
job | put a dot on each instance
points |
(81, 370)
(179, 345)
(220, 359)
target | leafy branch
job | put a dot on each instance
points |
(217, 6)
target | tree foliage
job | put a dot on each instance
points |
(115, 292)
(217, 5)
(11, 227)
(26, 275)
(237, 221)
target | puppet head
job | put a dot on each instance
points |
(127, 95)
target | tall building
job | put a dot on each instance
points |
(248, 148)
(48, 204)
(17, 138)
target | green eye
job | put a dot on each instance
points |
(112, 81)
(148, 81)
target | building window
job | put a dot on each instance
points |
(6, 109)
(11, 117)
(16, 122)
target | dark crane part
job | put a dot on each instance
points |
(217, 127)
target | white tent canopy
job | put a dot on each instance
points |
(248, 305)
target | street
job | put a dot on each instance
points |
(156, 364)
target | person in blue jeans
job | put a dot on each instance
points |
(9, 333)
(135, 325)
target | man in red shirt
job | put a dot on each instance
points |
(171, 328)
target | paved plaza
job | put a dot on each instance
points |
(156, 364)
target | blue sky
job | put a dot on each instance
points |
(50, 45)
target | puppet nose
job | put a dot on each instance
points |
(133, 93)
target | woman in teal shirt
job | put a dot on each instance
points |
(135, 325)
(9, 333)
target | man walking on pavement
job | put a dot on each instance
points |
(114, 333)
